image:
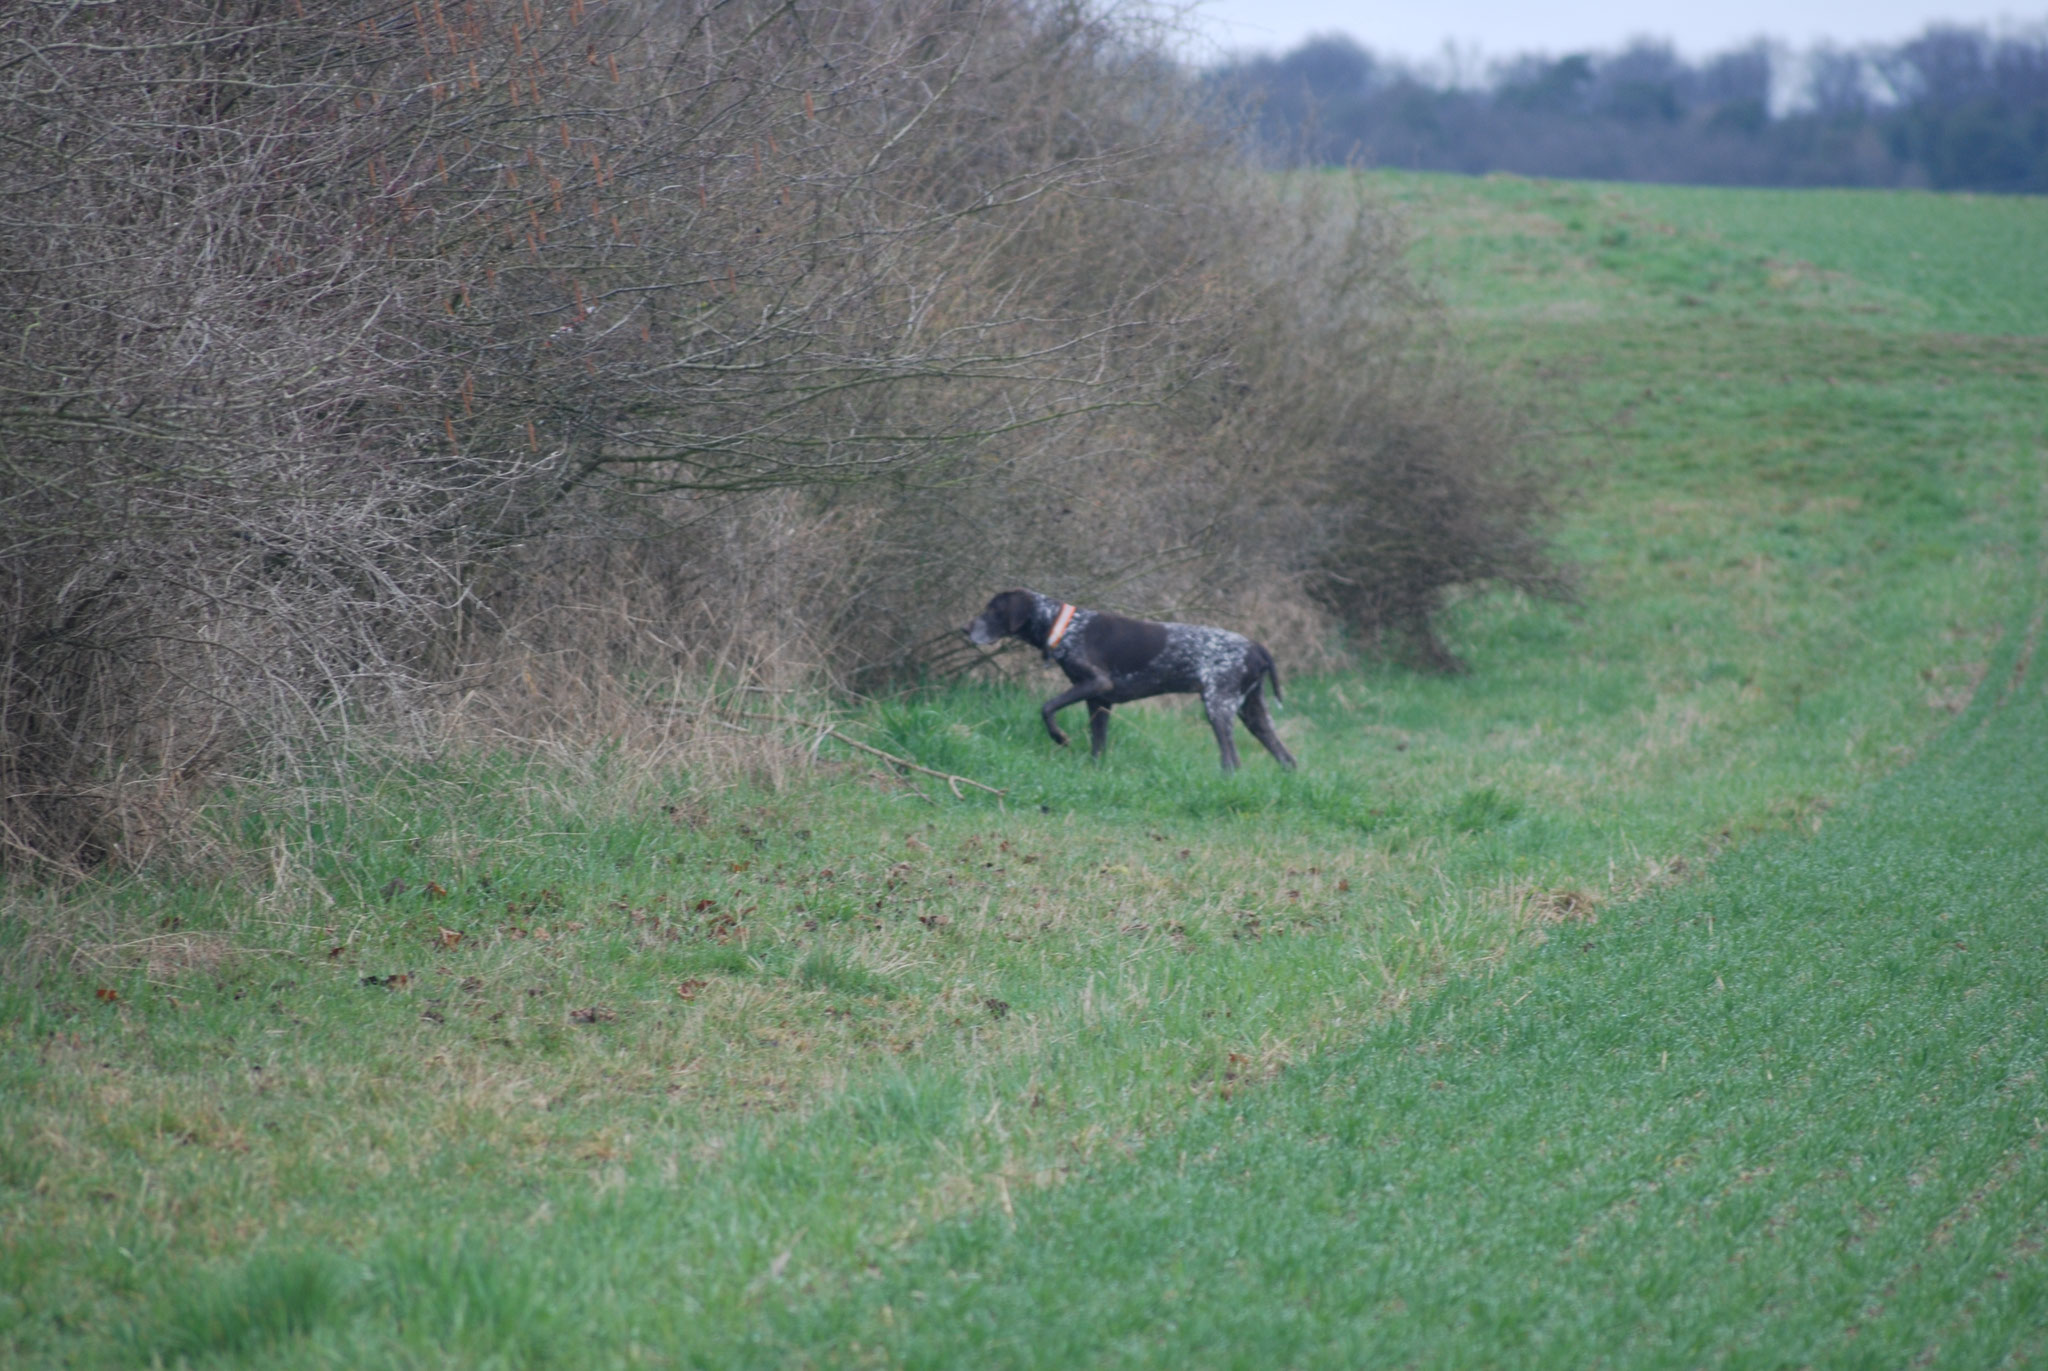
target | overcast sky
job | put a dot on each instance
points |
(1504, 28)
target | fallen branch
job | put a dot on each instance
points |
(953, 782)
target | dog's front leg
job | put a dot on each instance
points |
(1080, 690)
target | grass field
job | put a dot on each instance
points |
(1530, 1023)
(1787, 1115)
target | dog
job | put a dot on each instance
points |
(1111, 659)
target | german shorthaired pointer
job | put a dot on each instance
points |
(1111, 659)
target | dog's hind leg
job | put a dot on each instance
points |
(1098, 727)
(1220, 708)
(1253, 712)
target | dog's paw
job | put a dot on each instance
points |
(1059, 737)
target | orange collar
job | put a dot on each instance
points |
(1060, 625)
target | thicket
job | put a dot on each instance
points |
(557, 350)
(1956, 108)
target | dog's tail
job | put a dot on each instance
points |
(1268, 669)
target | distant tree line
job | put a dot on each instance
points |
(1953, 109)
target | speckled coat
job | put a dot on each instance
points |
(1112, 659)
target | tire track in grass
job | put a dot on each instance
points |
(1792, 1114)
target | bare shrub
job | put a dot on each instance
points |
(553, 352)
(653, 648)
(1365, 463)
(1328, 452)
(1409, 485)
(323, 315)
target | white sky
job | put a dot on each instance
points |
(1485, 29)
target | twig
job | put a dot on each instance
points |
(953, 782)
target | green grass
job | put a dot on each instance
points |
(1791, 1115)
(1965, 264)
(1885, 260)
(504, 1062)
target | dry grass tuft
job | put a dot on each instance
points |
(64, 934)
(1564, 905)
(162, 957)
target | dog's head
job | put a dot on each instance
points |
(1005, 617)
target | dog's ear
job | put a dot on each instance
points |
(1016, 610)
